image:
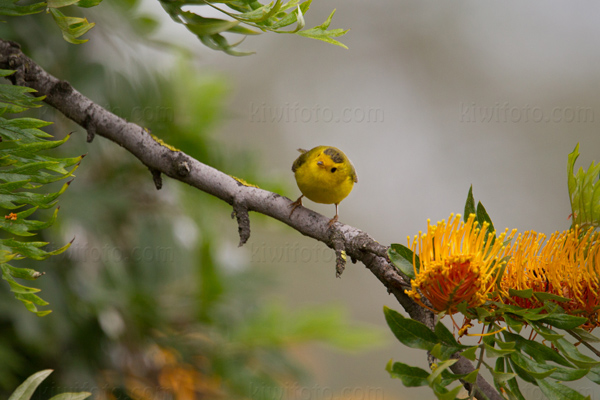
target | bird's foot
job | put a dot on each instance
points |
(295, 205)
(332, 221)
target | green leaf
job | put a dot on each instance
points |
(512, 323)
(321, 33)
(72, 396)
(544, 296)
(410, 332)
(24, 170)
(444, 394)
(441, 367)
(14, 99)
(493, 352)
(574, 355)
(22, 273)
(271, 17)
(564, 321)
(402, 258)
(513, 386)
(502, 377)
(88, 3)
(9, 7)
(594, 374)
(442, 352)
(482, 217)
(524, 294)
(546, 333)
(584, 192)
(410, 376)
(469, 205)
(472, 376)
(529, 367)
(556, 391)
(206, 26)
(470, 353)
(447, 338)
(26, 389)
(60, 3)
(586, 336)
(538, 351)
(71, 27)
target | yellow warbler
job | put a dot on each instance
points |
(324, 175)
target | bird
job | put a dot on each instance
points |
(324, 175)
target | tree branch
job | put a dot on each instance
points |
(160, 159)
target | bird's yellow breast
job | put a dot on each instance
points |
(324, 175)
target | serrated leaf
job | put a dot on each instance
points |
(321, 33)
(410, 332)
(26, 389)
(402, 258)
(14, 99)
(71, 27)
(25, 170)
(22, 273)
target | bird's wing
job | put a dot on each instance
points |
(300, 160)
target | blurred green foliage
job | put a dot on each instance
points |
(24, 171)
(148, 302)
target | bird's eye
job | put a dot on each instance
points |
(333, 169)
(319, 162)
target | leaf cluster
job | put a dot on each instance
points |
(71, 27)
(584, 192)
(24, 170)
(440, 343)
(545, 365)
(245, 15)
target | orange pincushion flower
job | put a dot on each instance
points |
(567, 265)
(457, 264)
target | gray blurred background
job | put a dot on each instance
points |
(430, 98)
